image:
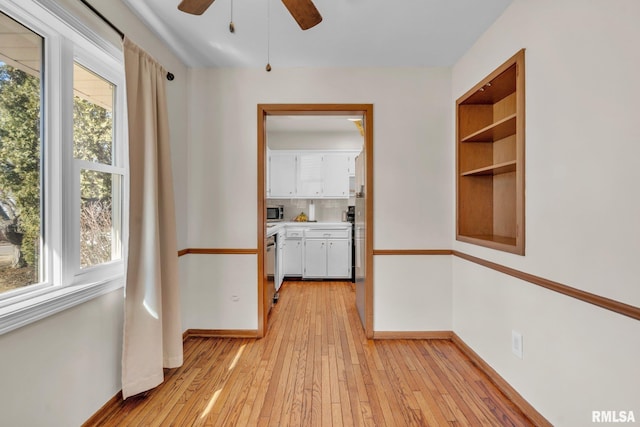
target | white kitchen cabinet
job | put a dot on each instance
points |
(336, 175)
(360, 172)
(310, 175)
(327, 253)
(338, 258)
(351, 158)
(293, 252)
(282, 175)
(281, 244)
(315, 258)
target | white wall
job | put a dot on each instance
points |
(222, 292)
(412, 162)
(62, 369)
(407, 302)
(313, 140)
(582, 228)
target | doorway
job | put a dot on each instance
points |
(364, 280)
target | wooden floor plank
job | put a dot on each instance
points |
(315, 367)
(457, 385)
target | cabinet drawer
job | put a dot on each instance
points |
(328, 233)
(293, 233)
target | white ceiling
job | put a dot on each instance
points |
(353, 32)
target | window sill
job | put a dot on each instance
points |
(52, 301)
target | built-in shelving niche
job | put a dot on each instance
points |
(490, 160)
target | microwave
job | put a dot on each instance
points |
(275, 213)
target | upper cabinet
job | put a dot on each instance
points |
(336, 175)
(351, 159)
(282, 177)
(309, 174)
(490, 151)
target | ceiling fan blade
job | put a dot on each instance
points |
(304, 12)
(194, 7)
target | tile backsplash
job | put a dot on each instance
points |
(326, 210)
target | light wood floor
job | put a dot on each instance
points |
(316, 368)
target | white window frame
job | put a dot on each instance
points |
(64, 285)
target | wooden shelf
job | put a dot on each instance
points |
(490, 153)
(498, 169)
(503, 243)
(500, 86)
(495, 131)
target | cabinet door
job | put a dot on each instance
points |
(293, 257)
(352, 164)
(336, 175)
(315, 258)
(282, 175)
(360, 178)
(338, 258)
(310, 175)
(280, 262)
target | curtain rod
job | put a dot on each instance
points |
(170, 76)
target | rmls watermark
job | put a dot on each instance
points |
(613, 417)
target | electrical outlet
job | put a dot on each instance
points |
(516, 344)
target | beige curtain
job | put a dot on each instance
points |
(152, 329)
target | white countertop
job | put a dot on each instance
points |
(277, 226)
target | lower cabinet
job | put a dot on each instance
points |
(339, 258)
(327, 258)
(293, 257)
(315, 258)
(315, 252)
(281, 244)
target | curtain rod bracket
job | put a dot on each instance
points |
(170, 76)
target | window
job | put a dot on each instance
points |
(63, 173)
(100, 180)
(20, 160)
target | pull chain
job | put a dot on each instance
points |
(232, 27)
(268, 67)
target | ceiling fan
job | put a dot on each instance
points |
(303, 11)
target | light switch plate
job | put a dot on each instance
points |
(516, 344)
